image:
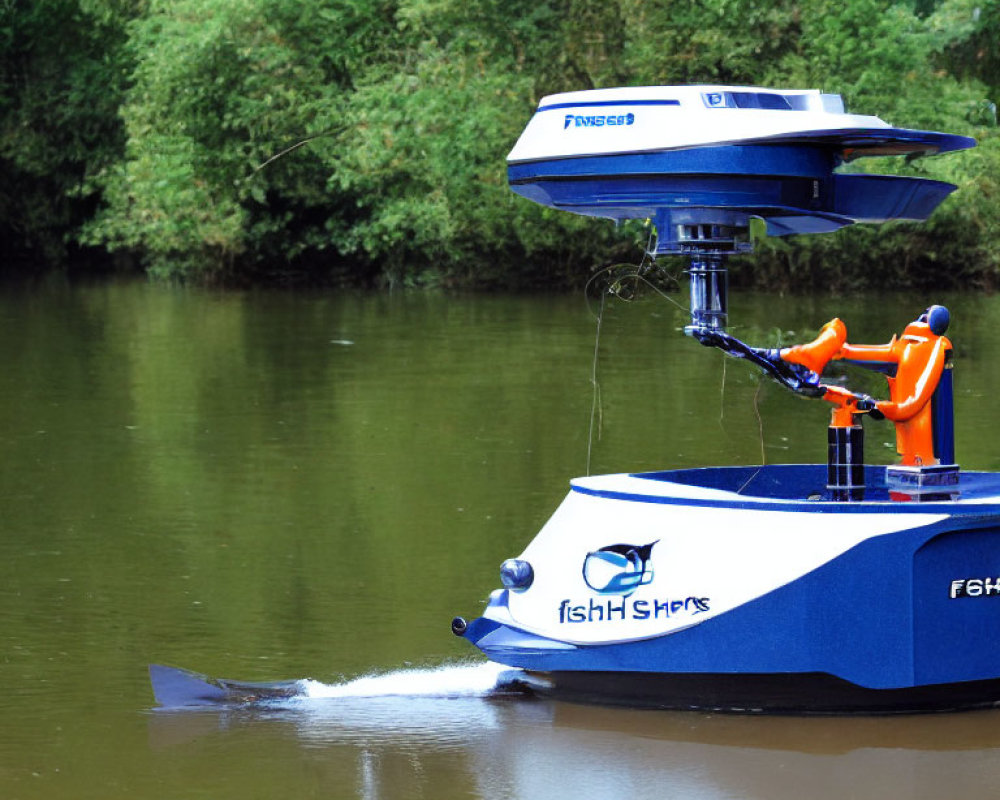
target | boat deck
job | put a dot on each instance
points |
(797, 487)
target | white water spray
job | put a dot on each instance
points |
(451, 680)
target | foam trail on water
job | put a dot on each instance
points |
(454, 680)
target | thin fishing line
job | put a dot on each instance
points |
(660, 292)
(722, 392)
(294, 147)
(615, 285)
(596, 410)
(635, 272)
(749, 480)
(590, 282)
(760, 421)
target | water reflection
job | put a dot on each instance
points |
(517, 748)
(421, 732)
(220, 481)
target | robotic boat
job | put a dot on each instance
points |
(819, 588)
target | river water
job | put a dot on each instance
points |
(274, 485)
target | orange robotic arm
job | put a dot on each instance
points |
(820, 350)
(914, 388)
(882, 353)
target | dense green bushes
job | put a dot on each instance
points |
(62, 78)
(363, 141)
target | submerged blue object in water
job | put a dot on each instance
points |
(176, 688)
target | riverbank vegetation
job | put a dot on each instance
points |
(363, 141)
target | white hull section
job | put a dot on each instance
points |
(704, 560)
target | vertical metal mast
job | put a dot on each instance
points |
(709, 292)
(707, 246)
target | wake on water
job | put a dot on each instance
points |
(177, 688)
(449, 680)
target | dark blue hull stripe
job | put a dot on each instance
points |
(749, 160)
(785, 487)
(984, 511)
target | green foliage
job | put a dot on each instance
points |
(420, 154)
(363, 141)
(967, 32)
(62, 69)
(886, 60)
(710, 41)
(219, 89)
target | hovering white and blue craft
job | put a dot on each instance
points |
(671, 153)
(821, 588)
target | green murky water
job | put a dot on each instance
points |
(269, 486)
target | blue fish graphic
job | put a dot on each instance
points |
(618, 569)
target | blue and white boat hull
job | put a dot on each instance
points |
(743, 588)
(772, 588)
